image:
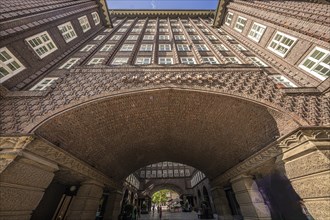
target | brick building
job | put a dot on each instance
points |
(89, 96)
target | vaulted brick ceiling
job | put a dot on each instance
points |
(121, 134)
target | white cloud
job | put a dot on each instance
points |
(153, 4)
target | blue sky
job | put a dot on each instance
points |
(163, 4)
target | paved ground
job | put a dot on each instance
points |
(172, 216)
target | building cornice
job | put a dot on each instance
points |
(162, 13)
(220, 12)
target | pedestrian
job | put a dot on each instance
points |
(160, 212)
(153, 210)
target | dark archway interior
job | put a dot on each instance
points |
(211, 132)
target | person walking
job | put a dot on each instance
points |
(160, 212)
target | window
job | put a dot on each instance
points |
(42, 44)
(188, 60)
(179, 37)
(143, 60)
(240, 24)
(126, 25)
(108, 30)
(170, 173)
(229, 18)
(221, 47)
(127, 47)
(67, 31)
(9, 64)
(164, 47)
(84, 23)
(187, 172)
(210, 60)
(119, 61)
(240, 47)
(176, 173)
(164, 37)
(212, 37)
(202, 47)
(174, 24)
(107, 47)
(181, 173)
(232, 60)
(150, 30)
(190, 30)
(146, 47)
(256, 61)
(229, 37)
(148, 37)
(136, 30)
(317, 63)
(96, 18)
(282, 81)
(68, 64)
(205, 30)
(165, 60)
(132, 37)
(163, 30)
(95, 61)
(256, 32)
(88, 47)
(176, 30)
(122, 30)
(281, 44)
(44, 83)
(139, 25)
(99, 37)
(195, 37)
(115, 37)
(183, 47)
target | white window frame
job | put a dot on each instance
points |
(69, 63)
(195, 37)
(212, 37)
(258, 62)
(96, 18)
(280, 44)
(141, 61)
(209, 61)
(99, 37)
(165, 47)
(96, 61)
(146, 47)
(191, 30)
(188, 60)
(87, 48)
(11, 65)
(176, 29)
(118, 61)
(43, 85)
(317, 62)
(279, 79)
(163, 29)
(165, 59)
(67, 31)
(179, 37)
(239, 24)
(221, 47)
(202, 47)
(116, 37)
(108, 30)
(40, 38)
(122, 30)
(149, 30)
(183, 47)
(132, 37)
(127, 47)
(233, 60)
(106, 47)
(256, 31)
(240, 47)
(148, 37)
(205, 30)
(164, 37)
(136, 30)
(229, 18)
(84, 23)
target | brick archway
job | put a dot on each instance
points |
(191, 127)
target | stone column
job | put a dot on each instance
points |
(221, 203)
(249, 198)
(113, 206)
(84, 205)
(305, 161)
(23, 178)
